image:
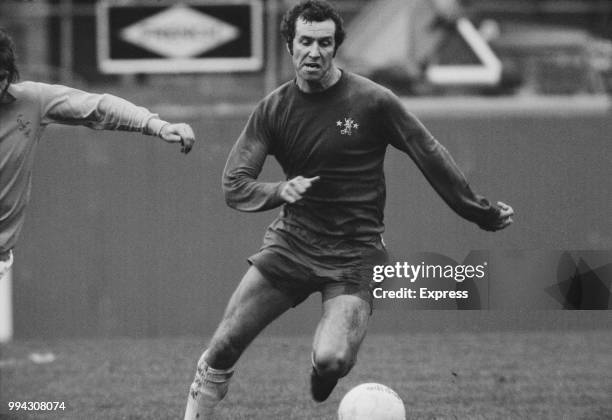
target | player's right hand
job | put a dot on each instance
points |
(294, 189)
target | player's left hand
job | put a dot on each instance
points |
(504, 218)
(179, 133)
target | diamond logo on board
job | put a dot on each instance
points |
(180, 32)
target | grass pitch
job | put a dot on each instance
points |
(505, 375)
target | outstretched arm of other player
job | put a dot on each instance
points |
(69, 106)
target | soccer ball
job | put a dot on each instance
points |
(371, 401)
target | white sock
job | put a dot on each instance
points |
(207, 390)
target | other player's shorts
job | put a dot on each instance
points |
(6, 261)
(300, 263)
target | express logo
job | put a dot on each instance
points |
(347, 126)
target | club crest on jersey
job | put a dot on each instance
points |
(347, 127)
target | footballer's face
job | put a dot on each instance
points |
(313, 54)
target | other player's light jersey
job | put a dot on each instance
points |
(24, 113)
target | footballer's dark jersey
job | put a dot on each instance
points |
(341, 135)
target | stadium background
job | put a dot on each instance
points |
(129, 253)
(126, 237)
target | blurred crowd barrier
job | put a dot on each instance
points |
(544, 47)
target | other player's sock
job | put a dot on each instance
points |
(207, 390)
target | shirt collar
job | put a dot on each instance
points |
(8, 97)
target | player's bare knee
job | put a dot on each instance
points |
(333, 363)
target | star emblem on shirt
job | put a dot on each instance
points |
(347, 126)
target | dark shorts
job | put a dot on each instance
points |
(300, 263)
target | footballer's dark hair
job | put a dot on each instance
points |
(8, 66)
(312, 11)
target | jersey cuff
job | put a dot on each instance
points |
(154, 126)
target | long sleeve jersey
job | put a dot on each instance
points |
(24, 113)
(340, 134)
